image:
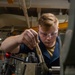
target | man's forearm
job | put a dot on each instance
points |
(10, 44)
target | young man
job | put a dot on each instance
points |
(47, 38)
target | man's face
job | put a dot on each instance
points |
(48, 35)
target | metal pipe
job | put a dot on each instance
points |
(25, 12)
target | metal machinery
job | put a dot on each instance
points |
(28, 65)
(67, 54)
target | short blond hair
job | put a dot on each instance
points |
(48, 19)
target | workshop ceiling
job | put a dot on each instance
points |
(19, 14)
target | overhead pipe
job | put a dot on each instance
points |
(60, 4)
(25, 12)
(39, 12)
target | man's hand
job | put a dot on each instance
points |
(29, 37)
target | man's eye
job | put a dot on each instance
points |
(52, 33)
(44, 34)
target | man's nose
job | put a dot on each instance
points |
(49, 36)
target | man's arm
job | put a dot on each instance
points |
(12, 44)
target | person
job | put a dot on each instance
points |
(47, 38)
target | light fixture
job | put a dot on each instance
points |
(0, 39)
